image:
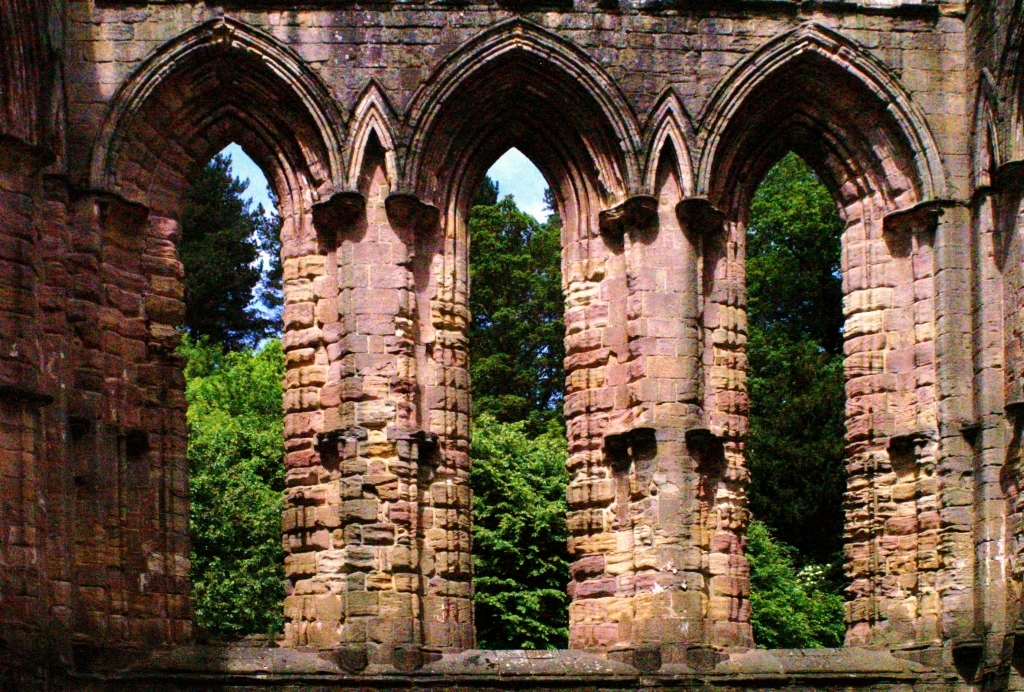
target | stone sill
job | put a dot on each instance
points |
(233, 665)
(912, 9)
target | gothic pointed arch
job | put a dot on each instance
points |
(530, 76)
(372, 123)
(817, 85)
(222, 81)
(1011, 81)
(985, 151)
(669, 125)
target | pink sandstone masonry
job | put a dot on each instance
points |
(653, 122)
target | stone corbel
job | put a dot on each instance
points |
(27, 391)
(337, 438)
(118, 215)
(406, 210)
(638, 214)
(332, 217)
(699, 217)
(907, 442)
(920, 220)
(625, 447)
(424, 440)
(702, 437)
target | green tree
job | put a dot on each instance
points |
(517, 331)
(794, 235)
(792, 608)
(519, 532)
(236, 474)
(796, 441)
(221, 244)
(519, 448)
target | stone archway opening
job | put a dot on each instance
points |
(862, 153)
(516, 362)
(511, 99)
(234, 367)
(220, 83)
(795, 447)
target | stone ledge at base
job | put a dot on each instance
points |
(237, 668)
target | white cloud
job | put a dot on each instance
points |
(517, 176)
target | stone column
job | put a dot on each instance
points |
(956, 469)
(715, 434)
(23, 577)
(910, 480)
(319, 418)
(20, 193)
(23, 538)
(659, 582)
(1006, 438)
(356, 568)
(986, 431)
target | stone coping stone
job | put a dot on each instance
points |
(240, 660)
(844, 662)
(568, 668)
(520, 663)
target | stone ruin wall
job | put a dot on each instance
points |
(653, 124)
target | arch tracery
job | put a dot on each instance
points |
(373, 117)
(900, 126)
(815, 93)
(570, 77)
(223, 79)
(669, 123)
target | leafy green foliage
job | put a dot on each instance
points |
(519, 535)
(793, 253)
(519, 448)
(236, 473)
(797, 398)
(792, 609)
(487, 194)
(222, 236)
(516, 301)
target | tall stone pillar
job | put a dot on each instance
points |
(361, 528)
(435, 433)
(665, 567)
(987, 430)
(716, 435)
(910, 526)
(1006, 438)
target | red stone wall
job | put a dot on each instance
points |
(654, 127)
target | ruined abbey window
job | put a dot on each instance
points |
(795, 448)
(234, 367)
(519, 448)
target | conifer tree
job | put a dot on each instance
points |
(796, 440)
(222, 241)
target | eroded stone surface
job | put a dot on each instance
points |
(653, 124)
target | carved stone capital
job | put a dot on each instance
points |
(639, 212)
(338, 213)
(406, 210)
(697, 215)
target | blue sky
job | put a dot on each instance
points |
(517, 176)
(513, 172)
